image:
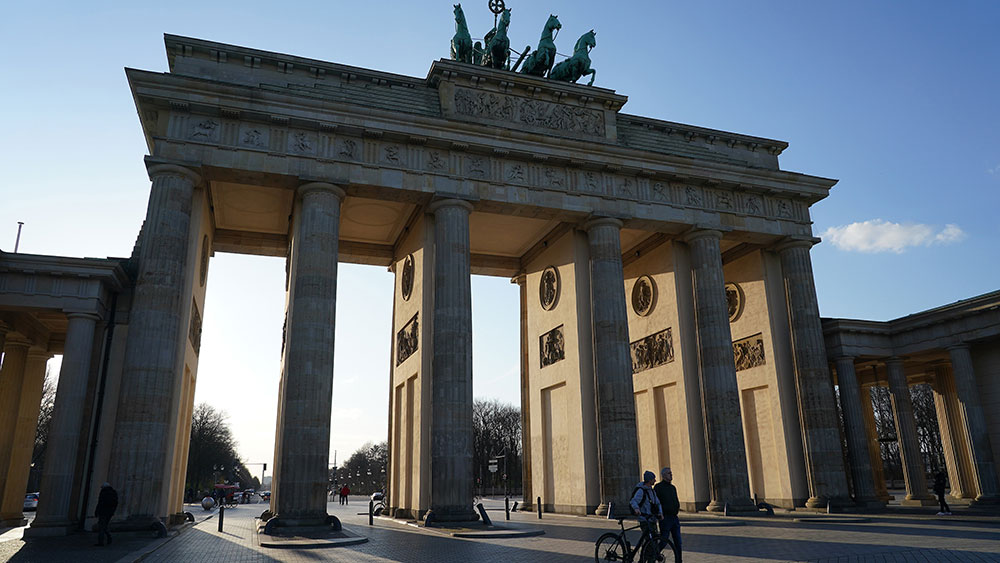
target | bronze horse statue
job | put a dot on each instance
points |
(461, 43)
(540, 61)
(497, 47)
(578, 65)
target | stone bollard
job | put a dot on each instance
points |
(222, 514)
(371, 512)
(506, 506)
(538, 503)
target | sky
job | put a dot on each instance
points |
(897, 100)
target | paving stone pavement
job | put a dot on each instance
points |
(885, 538)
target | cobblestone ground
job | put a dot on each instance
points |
(885, 538)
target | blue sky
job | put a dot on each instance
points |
(897, 100)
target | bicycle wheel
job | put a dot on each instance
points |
(609, 548)
(650, 550)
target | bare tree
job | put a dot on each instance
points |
(364, 472)
(212, 457)
(42, 430)
(496, 433)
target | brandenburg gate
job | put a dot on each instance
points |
(668, 310)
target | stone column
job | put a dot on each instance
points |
(976, 432)
(906, 433)
(953, 442)
(303, 450)
(874, 449)
(451, 366)
(526, 491)
(3, 340)
(11, 380)
(854, 431)
(817, 402)
(24, 438)
(728, 479)
(56, 508)
(617, 442)
(142, 440)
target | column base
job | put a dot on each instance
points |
(449, 514)
(602, 509)
(985, 501)
(13, 522)
(327, 522)
(921, 500)
(49, 530)
(731, 506)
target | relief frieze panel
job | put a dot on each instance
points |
(407, 339)
(515, 110)
(749, 352)
(552, 346)
(301, 142)
(652, 351)
(253, 136)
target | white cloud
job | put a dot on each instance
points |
(995, 171)
(879, 235)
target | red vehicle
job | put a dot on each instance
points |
(228, 493)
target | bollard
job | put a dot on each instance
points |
(482, 512)
(371, 512)
(725, 510)
(538, 503)
(611, 511)
(222, 514)
(506, 506)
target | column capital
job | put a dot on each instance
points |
(797, 241)
(15, 339)
(698, 233)
(39, 352)
(519, 279)
(893, 360)
(321, 186)
(449, 202)
(83, 315)
(601, 222)
(157, 169)
(959, 346)
(844, 358)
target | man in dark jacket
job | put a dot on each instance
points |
(667, 493)
(107, 502)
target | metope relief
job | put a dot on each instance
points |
(643, 296)
(735, 301)
(194, 330)
(749, 352)
(205, 130)
(253, 137)
(300, 142)
(406, 278)
(552, 346)
(548, 288)
(407, 339)
(652, 351)
(536, 113)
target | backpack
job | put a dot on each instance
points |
(645, 494)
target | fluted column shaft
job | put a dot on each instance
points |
(303, 450)
(953, 439)
(817, 402)
(976, 431)
(617, 448)
(451, 367)
(23, 443)
(874, 448)
(55, 507)
(854, 431)
(142, 441)
(11, 380)
(906, 432)
(728, 479)
(526, 489)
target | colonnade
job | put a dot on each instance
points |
(961, 421)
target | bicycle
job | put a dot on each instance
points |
(616, 547)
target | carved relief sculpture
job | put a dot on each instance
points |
(643, 296)
(406, 278)
(407, 340)
(548, 288)
(749, 352)
(652, 351)
(194, 332)
(552, 346)
(203, 270)
(735, 300)
(500, 107)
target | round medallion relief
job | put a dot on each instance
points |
(643, 296)
(203, 274)
(735, 299)
(406, 278)
(548, 288)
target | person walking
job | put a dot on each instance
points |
(344, 491)
(646, 506)
(666, 492)
(107, 503)
(939, 491)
